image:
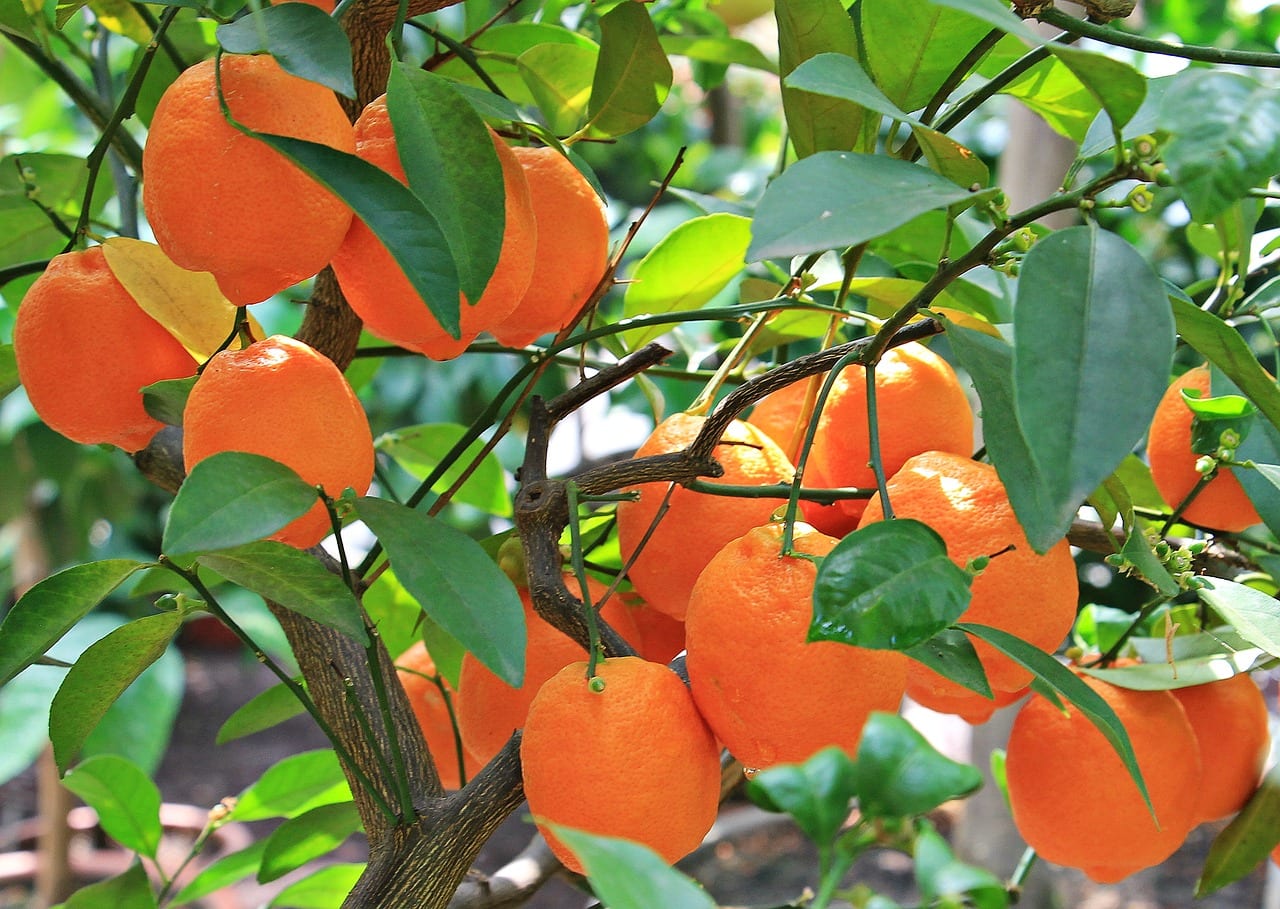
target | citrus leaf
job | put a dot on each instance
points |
(1247, 840)
(1138, 552)
(842, 76)
(166, 400)
(264, 711)
(50, 608)
(816, 793)
(1184, 673)
(421, 449)
(558, 78)
(1228, 351)
(950, 653)
(1085, 386)
(227, 870)
(627, 875)
(231, 498)
(897, 773)
(293, 579)
(130, 890)
(101, 675)
(292, 786)
(946, 881)
(632, 75)
(307, 836)
(889, 586)
(1254, 615)
(139, 724)
(125, 798)
(807, 28)
(455, 582)
(326, 889)
(305, 41)
(1117, 86)
(723, 49)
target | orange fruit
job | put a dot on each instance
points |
(1074, 801)
(1222, 504)
(696, 525)
(283, 400)
(1230, 721)
(84, 349)
(382, 296)
(972, 707)
(417, 673)
(227, 203)
(659, 637)
(489, 709)
(572, 250)
(1032, 596)
(631, 760)
(768, 694)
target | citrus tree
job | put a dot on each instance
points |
(506, 217)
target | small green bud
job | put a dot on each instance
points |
(1206, 465)
(596, 684)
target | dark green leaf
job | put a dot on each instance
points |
(1227, 349)
(227, 870)
(326, 889)
(889, 586)
(836, 199)
(1085, 385)
(292, 786)
(50, 608)
(455, 582)
(1254, 615)
(101, 674)
(815, 123)
(950, 653)
(632, 76)
(1225, 131)
(1057, 679)
(1247, 840)
(307, 836)
(139, 724)
(421, 449)
(15, 20)
(626, 875)
(264, 711)
(125, 798)
(166, 400)
(449, 158)
(295, 580)
(897, 773)
(131, 890)
(304, 39)
(232, 498)
(816, 793)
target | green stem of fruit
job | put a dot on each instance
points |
(1107, 35)
(1113, 652)
(1200, 486)
(580, 572)
(873, 436)
(780, 490)
(1019, 876)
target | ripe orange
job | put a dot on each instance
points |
(281, 399)
(84, 349)
(1075, 803)
(769, 695)
(1230, 721)
(416, 671)
(377, 289)
(489, 709)
(572, 249)
(659, 637)
(632, 760)
(696, 525)
(224, 202)
(1029, 595)
(1222, 504)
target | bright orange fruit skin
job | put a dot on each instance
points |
(281, 399)
(376, 287)
(1072, 798)
(696, 525)
(1222, 504)
(1032, 596)
(414, 668)
(1231, 724)
(634, 760)
(84, 349)
(770, 696)
(227, 203)
(572, 249)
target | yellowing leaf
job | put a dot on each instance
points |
(187, 303)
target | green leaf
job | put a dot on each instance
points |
(627, 875)
(897, 773)
(836, 199)
(1117, 86)
(889, 586)
(684, 270)
(326, 889)
(946, 881)
(1254, 615)
(232, 498)
(954, 161)
(227, 870)
(816, 793)
(293, 579)
(131, 890)
(1085, 385)
(1061, 681)
(1184, 673)
(1227, 349)
(950, 653)
(842, 76)
(264, 711)
(559, 79)
(807, 28)
(52, 606)
(397, 217)
(1261, 447)
(304, 39)
(1215, 415)
(166, 400)
(1225, 130)
(456, 583)
(632, 76)
(722, 49)
(139, 724)
(125, 798)
(1247, 841)
(1138, 551)
(421, 449)
(293, 786)
(449, 158)
(307, 836)
(15, 20)
(8, 367)
(101, 674)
